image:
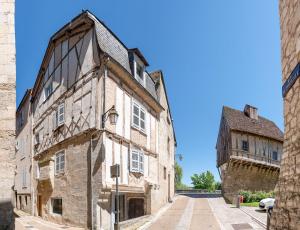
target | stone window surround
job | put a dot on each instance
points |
(52, 199)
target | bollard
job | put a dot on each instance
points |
(238, 201)
(269, 213)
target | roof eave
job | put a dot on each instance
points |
(138, 88)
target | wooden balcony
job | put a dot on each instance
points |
(249, 158)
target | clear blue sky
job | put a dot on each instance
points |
(213, 53)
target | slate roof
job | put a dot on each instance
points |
(239, 121)
(110, 44)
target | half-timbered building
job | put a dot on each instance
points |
(249, 151)
(94, 105)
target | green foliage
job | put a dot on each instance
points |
(204, 180)
(182, 186)
(255, 196)
(178, 175)
(218, 185)
(252, 204)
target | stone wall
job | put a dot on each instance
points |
(237, 176)
(7, 109)
(286, 214)
(71, 186)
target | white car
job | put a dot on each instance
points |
(266, 203)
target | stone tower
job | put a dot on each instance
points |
(286, 214)
(7, 110)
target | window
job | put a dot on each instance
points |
(137, 161)
(48, 89)
(139, 73)
(57, 206)
(60, 162)
(275, 156)
(59, 116)
(245, 145)
(138, 117)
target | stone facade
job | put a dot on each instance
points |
(7, 110)
(286, 214)
(22, 184)
(85, 73)
(246, 160)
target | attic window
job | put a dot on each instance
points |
(139, 73)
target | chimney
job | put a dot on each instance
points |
(251, 111)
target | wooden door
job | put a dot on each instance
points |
(39, 205)
(136, 208)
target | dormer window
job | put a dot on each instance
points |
(139, 73)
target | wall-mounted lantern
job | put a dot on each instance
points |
(110, 114)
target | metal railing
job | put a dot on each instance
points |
(245, 154)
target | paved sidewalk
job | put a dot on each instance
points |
(231, 218)
(36, 223)
(258, 214)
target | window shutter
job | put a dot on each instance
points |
(142, 119)
(61, 114)
(135, 115)
(141, 162)
(134, 161)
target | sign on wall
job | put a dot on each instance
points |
(291, 80)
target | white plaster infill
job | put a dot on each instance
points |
(157, 215)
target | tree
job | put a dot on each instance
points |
(204, 180)
(218, 185)
(178, 175)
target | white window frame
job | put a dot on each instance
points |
(139, 161)
(58, 162)
(141, 109)
(59, 116)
